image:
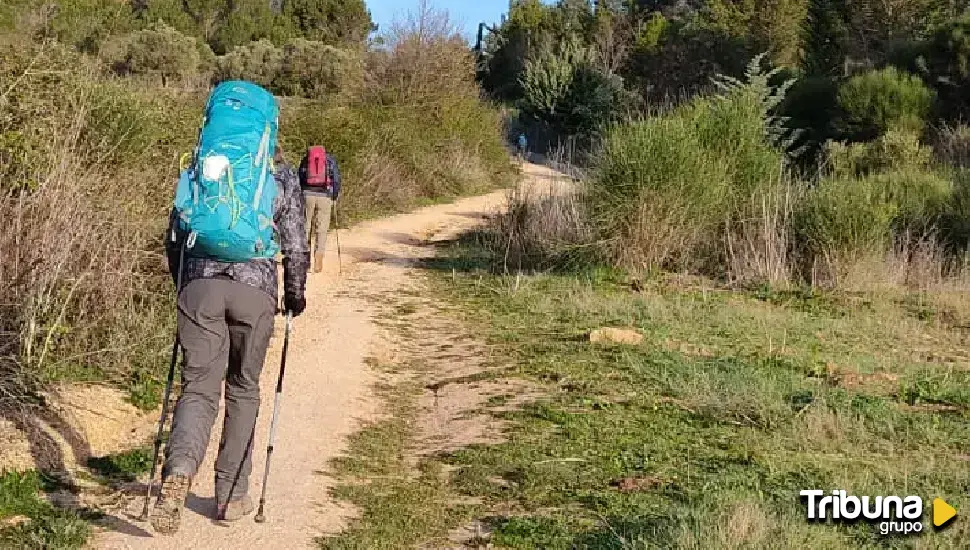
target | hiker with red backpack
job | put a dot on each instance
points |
(320, 180)
(235, 209)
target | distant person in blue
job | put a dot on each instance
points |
(523, 146)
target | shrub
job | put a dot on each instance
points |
(845, 219)
(316, 70)
(259, 62)
(427, 61)
(165, 52)
(877, 101)
(955, 219)
(894, 150)
(543, 228)
(84, 300)
(668, 186)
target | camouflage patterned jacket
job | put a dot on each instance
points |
(290, 219)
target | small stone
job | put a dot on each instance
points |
(610, 335)
(14, 521)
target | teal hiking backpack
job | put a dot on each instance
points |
(226, 189)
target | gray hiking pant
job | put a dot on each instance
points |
(224, 328)
(317, 221)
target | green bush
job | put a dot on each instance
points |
(48, 527)
(316, 70)
(259, 62)
(668, 186)
(878, 101)
(894, 150)
(165, 52)
(955, 219)
(333, 22)
(846, 218)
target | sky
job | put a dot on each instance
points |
(466, 13)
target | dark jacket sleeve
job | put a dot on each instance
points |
(291, 222)
(334, 176)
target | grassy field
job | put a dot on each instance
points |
(703, 435)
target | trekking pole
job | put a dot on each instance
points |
(336, 223)
(260, 517)
(168, 391)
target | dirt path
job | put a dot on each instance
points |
(327, 387)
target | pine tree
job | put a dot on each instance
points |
(826, 39)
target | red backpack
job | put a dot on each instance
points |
(317, 174)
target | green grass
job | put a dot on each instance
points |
(124, 466)
(401, 502)
(734, 403)
(46, 527)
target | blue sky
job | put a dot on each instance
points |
(466, 13)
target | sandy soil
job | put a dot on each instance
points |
(326, 391)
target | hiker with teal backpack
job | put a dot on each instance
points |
(235, 209)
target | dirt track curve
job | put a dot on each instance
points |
(326, 390)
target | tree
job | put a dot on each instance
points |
(528, 27)
(772, 25)
(874, 26)
(946, 65)
(826, 38)
(427, 59)
(246, 21)
(613, 36)
(565, 90)
(333, 22)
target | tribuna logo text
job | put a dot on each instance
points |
(893, 514)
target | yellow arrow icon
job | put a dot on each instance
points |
(942, 512)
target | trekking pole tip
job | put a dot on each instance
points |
(260, 518)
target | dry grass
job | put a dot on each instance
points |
(758, 248)
(78, 282)
(914, 262)
(543, 226)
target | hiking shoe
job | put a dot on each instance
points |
(235, 509)
(168, 509)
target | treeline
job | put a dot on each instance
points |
(220, 25)
(577, 65)
(307, 48)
